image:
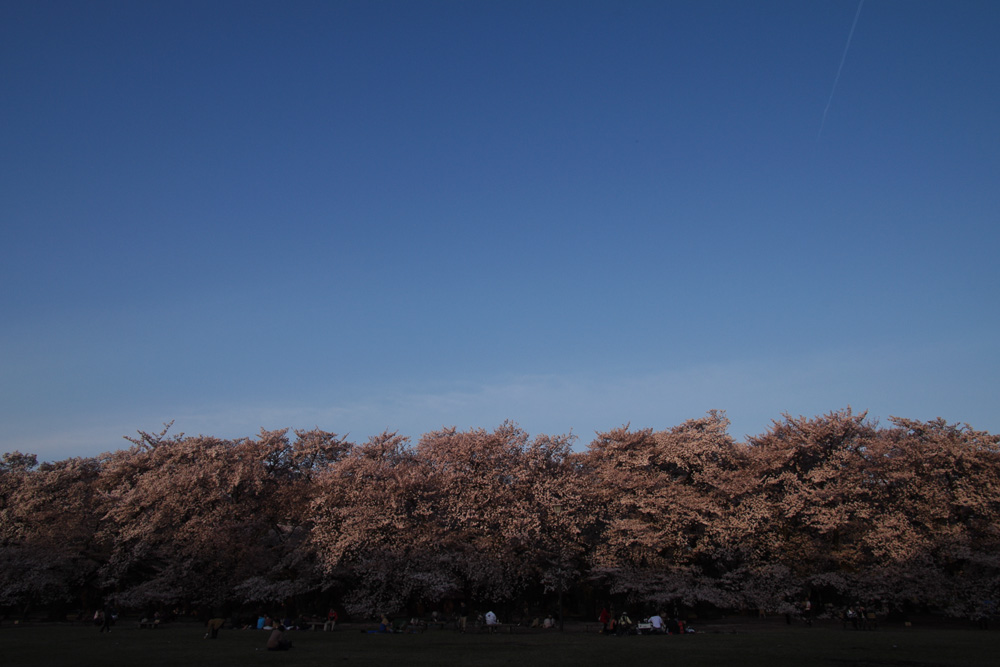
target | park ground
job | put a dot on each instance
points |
(734, 641)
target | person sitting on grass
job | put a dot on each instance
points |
(656, 620)
(624, 625)
(277, 641)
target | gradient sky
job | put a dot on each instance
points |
(362, 216)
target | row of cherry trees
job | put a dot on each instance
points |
(906, 514)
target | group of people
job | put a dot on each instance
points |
(860, 618)
(548, 623)
(655, 624)
(489, 620)
(412, 626)
(276, 641)
(267, 622)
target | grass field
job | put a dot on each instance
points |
(765, 645)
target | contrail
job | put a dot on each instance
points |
(842, 59)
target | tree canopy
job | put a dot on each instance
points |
(836, 505)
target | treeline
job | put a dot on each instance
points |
(833, 507)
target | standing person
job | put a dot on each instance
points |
(851, 616)
(604, 618)
(106, 625)
(214, 625)
(463, 616)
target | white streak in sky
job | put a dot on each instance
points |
(842, 59)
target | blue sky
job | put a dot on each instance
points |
(362, 216)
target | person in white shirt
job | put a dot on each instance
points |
(657, 622)
(491, 621)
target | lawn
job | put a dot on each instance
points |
(763, 646)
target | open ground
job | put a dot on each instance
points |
(733, 642)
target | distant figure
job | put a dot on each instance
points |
(277, 641)
(604, 619)
(214, 625)
(384, 625)
(463, 616)
(491, 621)
(807, 612)
(106, 618)
(984, 611)
(549, 622)
(331, 620)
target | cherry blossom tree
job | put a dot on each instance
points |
(903, 515)
(808, 503)
(206, 521)
(505, 507)
(932, 538)
(49, 553)
(464, 514)
(661, 499)
(368, 528)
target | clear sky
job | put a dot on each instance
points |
(362, 216)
